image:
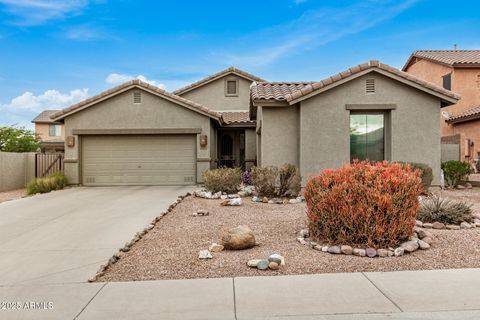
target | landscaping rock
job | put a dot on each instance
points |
(242, 194)
(453, 227)
(271, 202)
(460, 187)
(427, 225)
(263, 265)
(423, 245)
(465, 225)
(277, 258)
(265, 200)
(468, 185)
(253, 263)
(304, 233)
(359, 252)
(318, 247)
(414, 236)
(301, 240)
(334, 250)
(293, 201)
(223, 197)
(399, 252)
(277, 201)
(346, 250)
(423, 233)
(201, 212)
(382, 253)
(215, 247)
(204, 254)
(232, 202)
(428, 240)
(273, 266)
(418, 223)
(371, 252)
(410, 246)
(438, 225)
(325, 249)
(256, 199)
(238, 238)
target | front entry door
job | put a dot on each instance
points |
(227, 155)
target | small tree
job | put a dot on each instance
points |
(18, 139)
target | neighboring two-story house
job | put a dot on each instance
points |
(51, 133)
(458, 71)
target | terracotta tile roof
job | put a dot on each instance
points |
(275, 90)
(237, 117)
(453, 58)
(294, 95)
(139, 84)
(470, 114)
(215, 76)
(44, 117)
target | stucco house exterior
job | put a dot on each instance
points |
(51, 133)
(458, 71)
(139, 134)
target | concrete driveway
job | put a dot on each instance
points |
(64, 236)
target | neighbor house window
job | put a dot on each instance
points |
(54, 130)
(447, 81)
(231, 88)
(367, 137)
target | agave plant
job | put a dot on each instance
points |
(435, 208)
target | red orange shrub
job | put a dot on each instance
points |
(362, 203)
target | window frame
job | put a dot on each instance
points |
(386, 130)
(57, 130)
(236, 88)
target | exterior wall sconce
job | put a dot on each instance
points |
(203, 141)
(70, 141)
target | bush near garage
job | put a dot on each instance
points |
(363, 203)
(444, 210)
(273, 181)
(54, 181)
(223, 179)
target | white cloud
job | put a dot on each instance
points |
(22, 109)
(312, 29)
(36, 12)
(117, 78)
(85, 33)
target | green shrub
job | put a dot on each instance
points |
(222, 179)
(455, 171)
(444, 210)
(55, 181)
(363, 203)
(272, 181)
(426, 173)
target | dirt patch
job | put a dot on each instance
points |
(170, 249)
(12, 194)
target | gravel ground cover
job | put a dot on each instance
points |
(12, 194)
(170, 249)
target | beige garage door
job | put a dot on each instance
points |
(138, 160)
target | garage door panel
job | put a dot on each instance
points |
(139, 160)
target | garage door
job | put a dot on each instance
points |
(138, 160)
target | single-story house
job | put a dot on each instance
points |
(139, 134)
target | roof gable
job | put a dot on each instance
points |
(44, 117)
(218, 75)
(140, 85)
(450, 58)
(299, 93)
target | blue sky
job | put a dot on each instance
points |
(56, 53)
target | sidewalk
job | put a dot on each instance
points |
(440, 294)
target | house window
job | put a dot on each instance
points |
(54, 130)
(447, 81)
(231, 88)
(367, 136)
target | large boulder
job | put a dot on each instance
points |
(238, 238)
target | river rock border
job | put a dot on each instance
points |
(246, 191)
(139, 235)
(421, 239)
(442, 226)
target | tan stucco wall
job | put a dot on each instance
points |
(280, 136)
(119, 112)
(464, 82)
(250, 147)
(42, 129)
(414, 126)
(212, 95)
(16, 170)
